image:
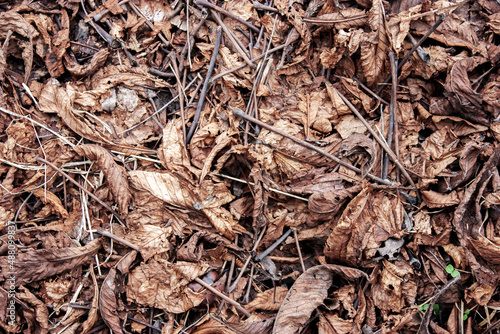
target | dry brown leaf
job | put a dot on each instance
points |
(269, 300)
(108, 297)
(15, 22)
(256, 324)
(35, 265)
(163, 285)
(369, 219)
(343, 19)
(307, 293)
(50, 198)
(94, 307)
(207, 197)
(434, 199)
(97, 61)
(115, 175)
(41, 313)
(375, 46)
(108, 304)
(463, 97)
(394, 287)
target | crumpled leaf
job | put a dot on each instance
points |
(307, 293)
(394, 287)
(369, 219)
(108, 299)
(269, 300)
(115, 175)
(97, 61)
(175, 190)
(375, 45)
(35, 265)
(15, 22)
(163, 285)
(41, 313)
(462, 96)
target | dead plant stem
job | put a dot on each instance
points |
(204, 90)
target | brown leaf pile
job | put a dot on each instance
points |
(135, 197)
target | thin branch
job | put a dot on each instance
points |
(205, 3)
(203, 93)
(237, 68)
(233, 39)
(223, 296)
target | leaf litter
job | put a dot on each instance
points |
(322, 166)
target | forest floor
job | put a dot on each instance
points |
(320, 166)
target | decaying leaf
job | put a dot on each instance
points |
(39, 264)
(307, 293)
(115, 174)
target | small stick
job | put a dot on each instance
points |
(265, 253)
(237, 68)
(187, 47)
(159, 73)
(428, 313)
(421, 52)
(249, 285)
(38, 159)
(394, 104)
(257, 5)
(369, 91)
(382, 144)
(391, 117)
(233, 286)
(203, 93)
(205, 3)
(440, 20)
(144, 323)
(326, 21)
(247, 261)
(235, 42)
(231, 268)
(223, 296)
(298, 248)
(175, 68)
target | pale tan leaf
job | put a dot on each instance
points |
(173, 153)
(269, 300)
(434, 199)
